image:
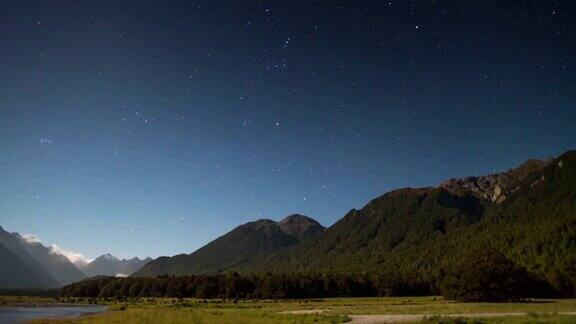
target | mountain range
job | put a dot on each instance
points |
(109, 265)
(26, 263)
(528, 213)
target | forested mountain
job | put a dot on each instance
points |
(406, 240)
(58, 265)
(109, 265)
(238, 247)
(413, 236)
(18, 268)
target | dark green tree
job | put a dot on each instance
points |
(485, 275)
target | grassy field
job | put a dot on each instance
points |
(165, 310)
(27, 301)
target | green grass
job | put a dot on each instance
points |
(530, 319)
(164, 315)
(435, 305)
(167, 310)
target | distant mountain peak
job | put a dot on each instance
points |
(263, 221)
(297, 218)
(110, 265)
(107, 256)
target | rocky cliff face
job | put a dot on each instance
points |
(494, 187)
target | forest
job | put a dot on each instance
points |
(485, 276)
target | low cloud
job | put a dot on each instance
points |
(77, 258)
(122, 275)
(74, 257)
(30, 238)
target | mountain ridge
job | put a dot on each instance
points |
(16, 273)
(110, 265)
(27, 263)
(527, 213)
(417, 233)
(15, 251)
(58, 265)
(495, 186)
(239, 246)
(407, 232)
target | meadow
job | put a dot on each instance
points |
(334, 310)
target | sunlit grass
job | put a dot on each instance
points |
(198, 315)
(335, 310)
(530, 319)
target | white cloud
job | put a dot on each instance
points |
(122, 275)
(76, 258)
(31, 238)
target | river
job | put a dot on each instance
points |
(10, 315)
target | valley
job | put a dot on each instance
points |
(241, 161)
(433, 241)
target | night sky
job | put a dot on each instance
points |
(151, 127)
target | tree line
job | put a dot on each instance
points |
(236, 286)
(485, 276)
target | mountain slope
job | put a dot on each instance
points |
(361, 240)
(239, 246)
(417, 233)
(16, 273)
(413, 236)
(58, 265)
(109, 265)
(33, 275)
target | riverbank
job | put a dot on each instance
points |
(35, 302)
(29, 314)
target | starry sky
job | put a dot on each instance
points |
(147, 128)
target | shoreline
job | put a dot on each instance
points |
(43, 304)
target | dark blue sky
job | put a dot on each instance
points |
(151, 127)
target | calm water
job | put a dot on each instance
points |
(24, 314)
